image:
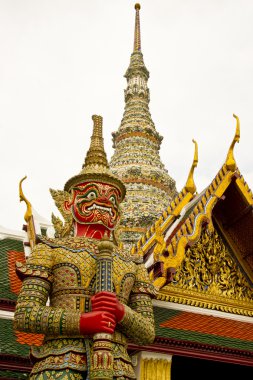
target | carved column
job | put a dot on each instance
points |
(152, 366)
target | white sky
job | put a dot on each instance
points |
(63, 60)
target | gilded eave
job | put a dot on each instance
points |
(153, 242)
(197, 214)
(228, 191)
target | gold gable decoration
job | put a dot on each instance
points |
(181, 224)
(209, 277)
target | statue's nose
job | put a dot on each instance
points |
(103, 199)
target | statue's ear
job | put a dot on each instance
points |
(62, 200)
(67, 205)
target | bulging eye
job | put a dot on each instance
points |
(91, 195)
(112, 199)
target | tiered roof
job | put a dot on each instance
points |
(225, 204)
(199, 254)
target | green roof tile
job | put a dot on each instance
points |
(13, 375)
(8, 342)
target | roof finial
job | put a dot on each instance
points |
(190, 185)
(137, 31)
(230, 161)
(28, 216)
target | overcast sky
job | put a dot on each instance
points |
(61, 61)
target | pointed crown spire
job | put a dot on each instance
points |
(96, 154)
(95, 166)
(137, 30)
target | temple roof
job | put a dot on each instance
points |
(210, 336)
(214, 228)
(202, 328)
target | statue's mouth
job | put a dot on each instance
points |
(101, 208)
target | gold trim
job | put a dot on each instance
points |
(192, 298)
(173, 213)
(246, 194)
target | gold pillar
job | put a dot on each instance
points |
(152, 366)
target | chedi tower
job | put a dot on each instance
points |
(136, 159)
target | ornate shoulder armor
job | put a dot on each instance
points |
(39, 264)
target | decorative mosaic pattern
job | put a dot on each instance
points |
(67, 374)
(65, 269)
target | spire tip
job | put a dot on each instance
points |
(137, 32)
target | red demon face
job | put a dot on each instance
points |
(95, 203)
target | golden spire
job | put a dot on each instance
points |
(190, 185)
(137, 30)
(137, 66)
(230, 161)
(96, 167)
(28, 216)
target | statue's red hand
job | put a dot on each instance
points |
(97, 322)
(106, 301)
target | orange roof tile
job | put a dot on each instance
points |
(29, 339)
(208, 324)
(15, 282)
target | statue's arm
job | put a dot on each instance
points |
(138, 321)
(32, 314)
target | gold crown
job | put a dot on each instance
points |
(96, 167)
